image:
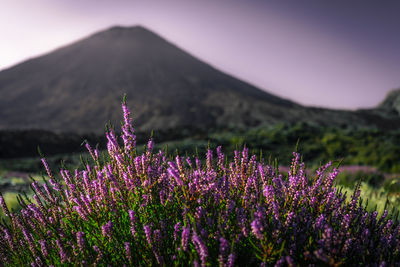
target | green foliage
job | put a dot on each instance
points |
(367, 147)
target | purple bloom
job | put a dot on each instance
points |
(89, 148)
(81, 213)
(147, 232)
(150, 145)
(177, 228)
(128, 251)
(209, 158)
(223, 250)
(289, 261)
(56, 185)
(223, 246)
(99, 253)
(320, 221)
(172, 171)
(185, 237)
(8, 237)
(257, 229)
(106, 229)
(4, 206)
(289, 218)
(46, 166)
(201, 248)
(63, 253)
(80, 238)
(231, 260)
(128, 135)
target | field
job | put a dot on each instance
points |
(194, 203)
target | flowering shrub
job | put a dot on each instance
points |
(148, 209)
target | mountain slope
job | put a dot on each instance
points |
(391, 104)
(79, 87)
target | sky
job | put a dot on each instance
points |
(336, 54)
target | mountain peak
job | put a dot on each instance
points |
(118, 31)
(79, 87)
(130, 29)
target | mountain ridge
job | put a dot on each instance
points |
(391, 103)
(79, 87)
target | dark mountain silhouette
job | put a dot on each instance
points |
(79, 87)
(391, 104)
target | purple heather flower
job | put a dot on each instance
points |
(319, 253)
(198, 163)
(201, 248)
(147, 232)
(37, 213)
(172, 171)
(269, 193)
(157, 236)
(185, 237)
(46, 166)
(28, 238)
(275, 208)
(99, 253)
(150, 145)
(106, 229)
(4, 206)
(347, 246)
(320, 221)
(96, 153)
(209, 158)
(262, 173)
(128, 251)
(231, 260)
(189, 162)
(63, 253)
(48, 192)
(81, 212)
(331, 177)
(80, 238)
(128, 135)
(220, 157)
(289, 218)
(132, 216)
(257, 229)
(223, 246)
(289, 261)
(179, 165)
(8, 237)
(56, 186)
(89, 148)
(177, 228)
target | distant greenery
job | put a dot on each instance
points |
(369, 147)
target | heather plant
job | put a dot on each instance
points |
(126, 208)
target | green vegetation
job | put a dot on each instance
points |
(368, 147)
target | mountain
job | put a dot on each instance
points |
(391, 104)
(79, 87)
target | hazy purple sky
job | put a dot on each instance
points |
(343, 54)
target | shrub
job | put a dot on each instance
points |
(148, 209)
